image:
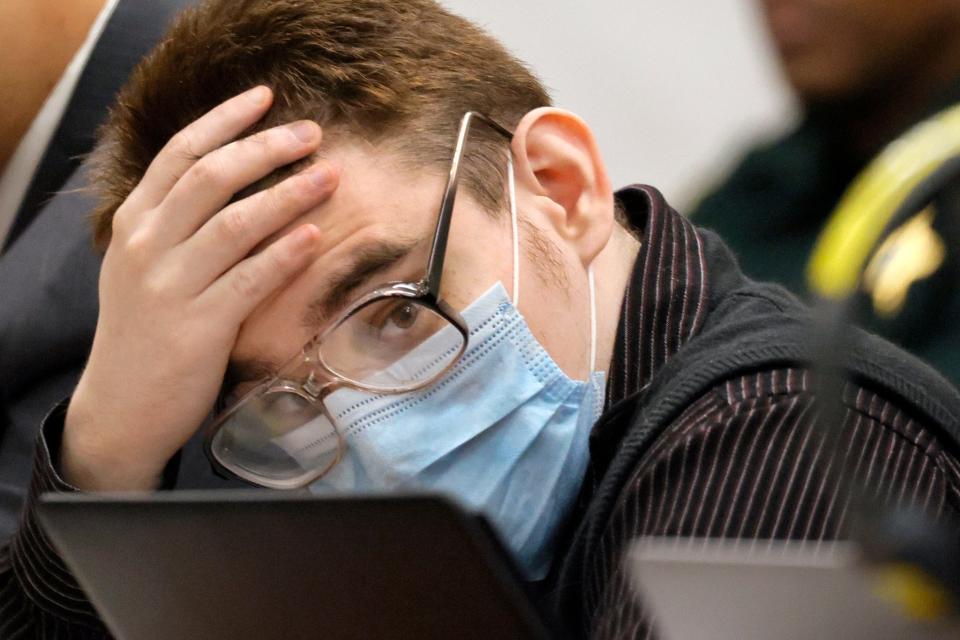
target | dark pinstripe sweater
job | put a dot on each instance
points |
(709, 429)
(735, 454)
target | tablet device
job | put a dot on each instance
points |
(756, 590)
(265, 564)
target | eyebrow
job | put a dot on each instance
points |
(368, 261)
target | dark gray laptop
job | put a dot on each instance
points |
(266, 564)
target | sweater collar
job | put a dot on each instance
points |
(665, 301)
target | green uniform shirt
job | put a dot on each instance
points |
(772, 207)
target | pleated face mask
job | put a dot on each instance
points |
(504, 432)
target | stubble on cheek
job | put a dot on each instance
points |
(545, 256)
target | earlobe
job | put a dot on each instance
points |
(559, 168)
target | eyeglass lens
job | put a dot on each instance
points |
(278, 435)
(392, 344)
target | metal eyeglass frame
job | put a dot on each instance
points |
(425, 292)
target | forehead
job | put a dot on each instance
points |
(379, 199)
(378, 193)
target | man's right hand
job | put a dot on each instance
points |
(177, 282)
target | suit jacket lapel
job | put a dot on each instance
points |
(132, 30)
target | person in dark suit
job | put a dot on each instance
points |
(49, 269)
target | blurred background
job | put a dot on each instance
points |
(675, 90)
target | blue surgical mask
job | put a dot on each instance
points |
(504, 432)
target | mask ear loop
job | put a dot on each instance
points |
(593, 319)
(515, 234)
(512, 189)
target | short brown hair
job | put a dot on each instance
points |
(401, 72)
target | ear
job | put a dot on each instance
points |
(561, 177)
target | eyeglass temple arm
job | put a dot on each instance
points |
(439, 249)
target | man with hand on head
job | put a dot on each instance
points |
(580, 366)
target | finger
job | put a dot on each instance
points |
(236, 230)
(211, 131)
(238, 292)
(210, 183)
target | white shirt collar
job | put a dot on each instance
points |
(16, 178)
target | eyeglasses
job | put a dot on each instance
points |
(398, 338)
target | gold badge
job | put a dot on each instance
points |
(914, 251)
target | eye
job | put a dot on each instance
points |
(388, 328)
(404, 315)
(369, 345)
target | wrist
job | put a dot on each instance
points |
(91, 462)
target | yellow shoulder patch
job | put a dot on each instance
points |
(913, 252)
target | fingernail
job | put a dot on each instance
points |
(318, 175)
(258, 95)
(305, 130)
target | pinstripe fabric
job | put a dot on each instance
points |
(744, 460)
(39, 598)
(666, 299)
